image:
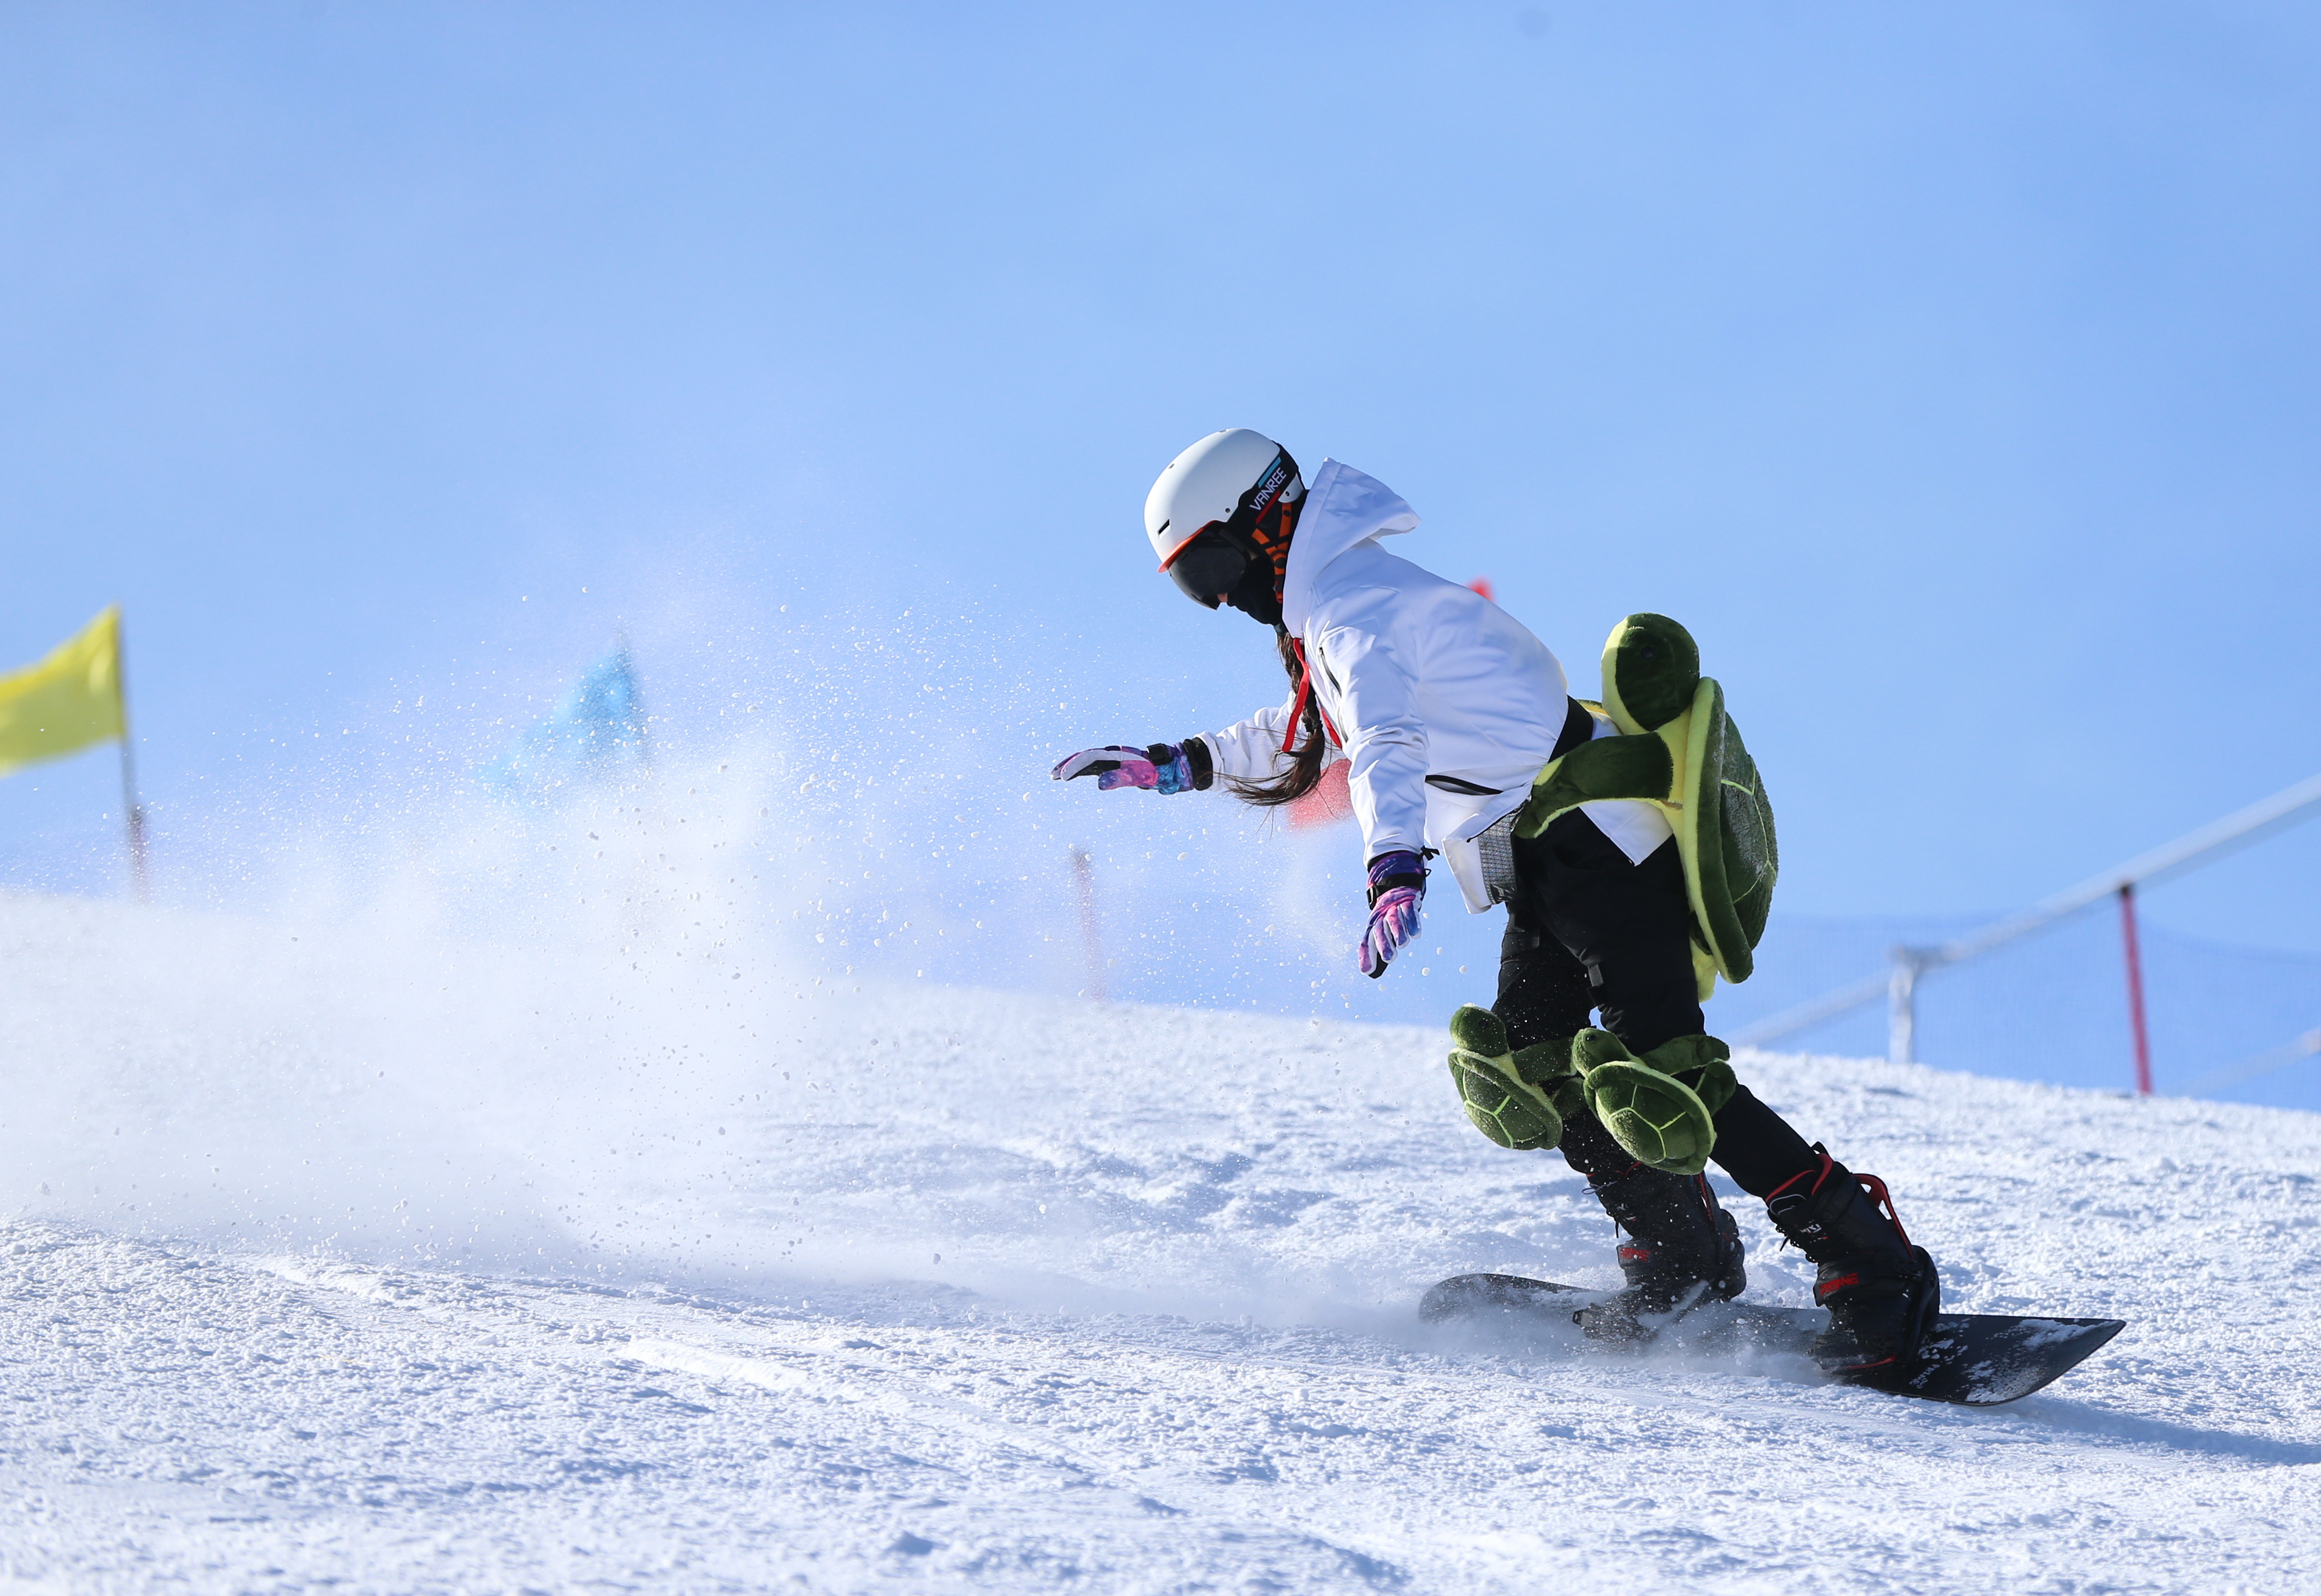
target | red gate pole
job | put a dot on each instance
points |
(2135, 990)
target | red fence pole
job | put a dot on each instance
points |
(2136, 989)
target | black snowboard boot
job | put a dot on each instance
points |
(1682, 1250)
(1882, 1293)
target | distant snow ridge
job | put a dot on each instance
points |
(416, 1265)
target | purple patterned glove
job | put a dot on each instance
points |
(1163, 768)
(1397, 883)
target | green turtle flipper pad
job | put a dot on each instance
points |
(1701, 1063)
(1570, 1099)
(1608, 767)
(1502, 1092)
(1661, 1121)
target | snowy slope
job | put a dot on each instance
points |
(671, 1261)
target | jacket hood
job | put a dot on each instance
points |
(1343, 508)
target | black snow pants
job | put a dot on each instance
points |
(1588, 930)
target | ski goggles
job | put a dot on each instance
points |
(1206, 566)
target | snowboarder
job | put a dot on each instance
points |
(1448, 711)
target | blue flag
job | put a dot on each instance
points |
(595, 733)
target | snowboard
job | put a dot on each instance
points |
(1976, 1360)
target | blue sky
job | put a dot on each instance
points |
(1948, 372)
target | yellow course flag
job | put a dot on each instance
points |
(68, 700)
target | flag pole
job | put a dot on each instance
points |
(133, 811)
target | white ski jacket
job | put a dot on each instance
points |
(1444, 705)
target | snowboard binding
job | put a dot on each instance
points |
(1682, 1250)
(1882, 1293)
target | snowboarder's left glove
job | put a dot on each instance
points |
(1164, 767)
(1397, 883)
(1662, 1107)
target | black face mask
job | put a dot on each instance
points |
(1254, 594)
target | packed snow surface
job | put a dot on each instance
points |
(679, 1259)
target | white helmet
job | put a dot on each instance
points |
(1229, 481)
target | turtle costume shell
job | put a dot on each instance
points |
(1679, 750)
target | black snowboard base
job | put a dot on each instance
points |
(1973, 1359)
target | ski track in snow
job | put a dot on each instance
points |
(704, 1343)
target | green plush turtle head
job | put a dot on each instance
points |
(1651, 668)
(1478, 1030)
